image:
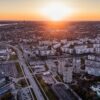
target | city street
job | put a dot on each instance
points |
(35, 87)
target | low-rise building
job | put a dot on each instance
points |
(92, 67)
(96, 88)
(48, 79)
(4, 55)
(4, 85)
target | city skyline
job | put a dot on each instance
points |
(31, 9)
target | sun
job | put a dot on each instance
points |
(56, 11)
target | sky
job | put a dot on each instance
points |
(30, 9)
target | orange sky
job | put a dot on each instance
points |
(30, 9)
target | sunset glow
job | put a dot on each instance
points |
(56, 11)
(53, 10)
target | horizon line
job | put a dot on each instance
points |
(50, 20)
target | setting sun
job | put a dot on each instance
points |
(56, 11)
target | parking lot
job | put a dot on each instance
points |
(64, 93)
(9, 69)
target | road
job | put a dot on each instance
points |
(34, 85)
